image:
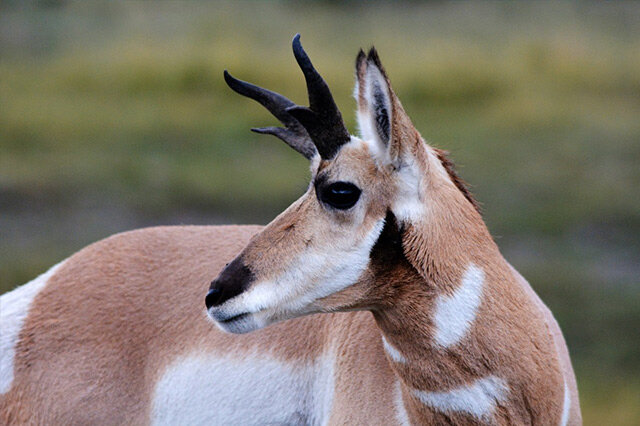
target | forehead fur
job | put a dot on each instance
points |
(356, 162)
(360, 161)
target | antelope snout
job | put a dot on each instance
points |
(235, 278)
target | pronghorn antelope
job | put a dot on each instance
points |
(424, 321)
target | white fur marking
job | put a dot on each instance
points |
(566, 406)
(454, 314)
(401, 412)
(250, 390)
(376, 84)
(14, 307)
(478, 399)
(393, 352)
(367, 113)
(365, 127)
(408, 205)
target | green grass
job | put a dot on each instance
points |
(607, 400)
(114, 115)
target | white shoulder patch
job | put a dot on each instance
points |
(478, 399)
(253, 390)
(455, 313)
(14, 307)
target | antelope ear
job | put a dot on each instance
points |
(375, 103)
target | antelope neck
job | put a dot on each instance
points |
(428, 322)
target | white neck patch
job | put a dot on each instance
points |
(393, 353)
(454, 314)
(478, 399)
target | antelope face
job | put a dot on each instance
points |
(315, 256)
(319, 246)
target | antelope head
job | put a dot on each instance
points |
(316, 255)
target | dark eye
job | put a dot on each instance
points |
(341, 195)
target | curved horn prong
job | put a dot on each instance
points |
(322, 119)
(298, 141)
(294, 134)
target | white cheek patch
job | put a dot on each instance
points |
(14, 307)
(251, 390)
(455, 314)
(311, 277)
(478, 399)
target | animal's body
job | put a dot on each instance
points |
(436, 327)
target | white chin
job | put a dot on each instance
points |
(244, 324)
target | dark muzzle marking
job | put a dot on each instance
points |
(235, 278)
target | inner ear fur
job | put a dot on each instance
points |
(381, 118)
(374, 99)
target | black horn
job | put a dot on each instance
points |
(309, 130)
(321, 119)
(294, 134)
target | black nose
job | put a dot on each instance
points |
(235, 278)
(212, 297)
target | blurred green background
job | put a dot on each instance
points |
(114, 115)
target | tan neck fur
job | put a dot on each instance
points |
(436, 255)
(499, 345)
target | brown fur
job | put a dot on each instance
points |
(449, 166)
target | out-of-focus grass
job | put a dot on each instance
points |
(607, 400)
(114, 115)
